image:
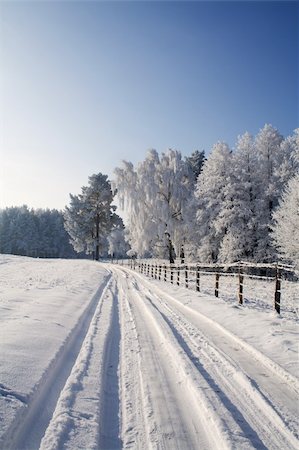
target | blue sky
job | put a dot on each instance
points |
(87, 84)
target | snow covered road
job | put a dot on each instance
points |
(140, 364)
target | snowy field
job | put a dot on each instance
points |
(97, 356)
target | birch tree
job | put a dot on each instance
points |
(286, 223)
(212, 195)
(240, 211)
(276, 165)
(155, 195)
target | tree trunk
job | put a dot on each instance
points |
(182, 254)
(170, 249)
(97, 237)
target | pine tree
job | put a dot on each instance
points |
(90, 216)
(196, 161)
(37, 233)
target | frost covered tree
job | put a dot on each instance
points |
(155, 196)
(196, 161)
(241, 217)
(286, 223)
(273, 171)
(37, 233)
(91, 217)
(212, 199)
(241, 205)
(295, 146)
(117, 245)
(289, 160)
(53, 238)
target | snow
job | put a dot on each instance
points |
(98, 356)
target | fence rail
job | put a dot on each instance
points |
(253, 283)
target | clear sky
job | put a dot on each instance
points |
(87, 84)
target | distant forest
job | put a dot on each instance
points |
(36, 233)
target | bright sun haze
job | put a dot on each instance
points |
(87, 84)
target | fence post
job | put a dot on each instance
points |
(277, 295)
(186, 277)
(178, 278)
(156, 271)
(217, 285)
(171, 274)
(241, 279)
(197, 279)
(148, 269)
(152, 271)
(160, 269)
(165, 273)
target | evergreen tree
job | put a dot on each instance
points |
(90, 216)
(196, 161)
(34, 233)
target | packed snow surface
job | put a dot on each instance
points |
(97, 356)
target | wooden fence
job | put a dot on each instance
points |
(230, 279)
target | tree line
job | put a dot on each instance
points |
(36, 233)
(235, 204)
(88, 227)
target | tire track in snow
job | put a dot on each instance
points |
(278, 387)
(286, 378)
(181, 410)
(135, 405)
(235, 390)
(87, 412)
(109, 421)
(29, 426)
(226, 377)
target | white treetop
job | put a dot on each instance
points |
(286, 222)
(154, 196)
(211, 194)
(273, 171)
(239, 214)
